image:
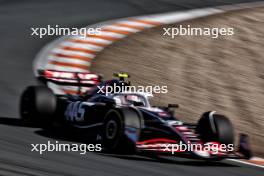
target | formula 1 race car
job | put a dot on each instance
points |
(125, 121)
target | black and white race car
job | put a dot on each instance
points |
(125, 121)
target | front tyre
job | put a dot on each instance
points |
(215, 127)
(121, 130)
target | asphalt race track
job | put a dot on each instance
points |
(17, 52)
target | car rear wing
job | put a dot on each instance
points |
(81, 79)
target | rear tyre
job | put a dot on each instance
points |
(37, 105)
(215, 127)
(121, 130)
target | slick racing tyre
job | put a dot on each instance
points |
(215, 127)
(37, 105)
(121, 130)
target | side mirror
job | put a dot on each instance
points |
(108, 101)
(138, 104)
(173, 105)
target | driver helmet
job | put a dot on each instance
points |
(133, 99)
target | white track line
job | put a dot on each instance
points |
(137, 24)
(112, 34)
(69, 60)
(64, 68)
(68, 52)
(247, 163)
(83, 46)
(90, 39)
(126, 29)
